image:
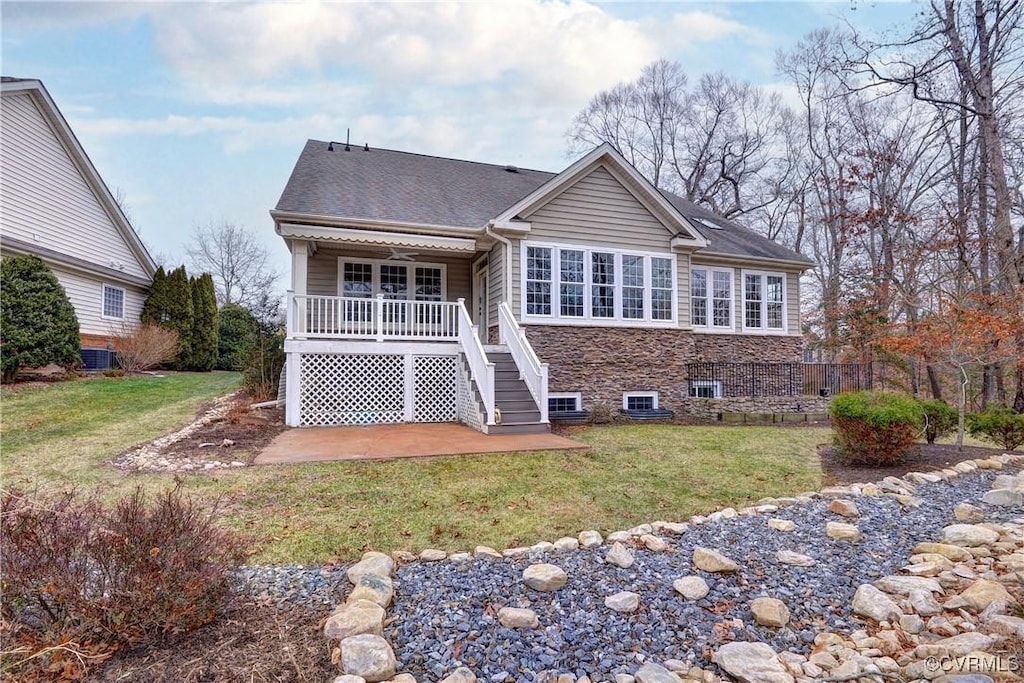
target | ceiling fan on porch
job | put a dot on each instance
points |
(397, 255)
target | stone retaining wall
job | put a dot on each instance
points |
(711, 407)
(604, 362)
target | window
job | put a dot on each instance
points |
(394, 280)
(597, 285)
(564, 402)
(113, 302)
(705, 389)
(764, 301)
(711, 297)
(640, 400)
(538, 281)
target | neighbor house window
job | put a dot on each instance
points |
(113, 302)
(565, 402)
(764, 301)
(640, 400)
(597, 284)
(711, 297)
(705, 388)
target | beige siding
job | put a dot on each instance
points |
(792, 295)
(495, 282)
(793, 302)
(86, 294)
(322, 278)
(598, 210)
(43, 197)
(683, 289)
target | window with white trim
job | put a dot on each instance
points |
(113, 302)
(702, 388)
(565, 402)
(597, 284)
(764, 301)
(640, 400)
(408, 281)
(711, 297)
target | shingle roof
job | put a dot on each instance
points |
(388, 185)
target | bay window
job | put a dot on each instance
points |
(764, 301)
(597, 284)
(711, 297)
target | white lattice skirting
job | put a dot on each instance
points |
(361, 389)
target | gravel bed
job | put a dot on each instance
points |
(444, 614)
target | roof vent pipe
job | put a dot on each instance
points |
(511, 169)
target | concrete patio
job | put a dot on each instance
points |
(384, 442)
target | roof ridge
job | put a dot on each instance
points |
(436, 156)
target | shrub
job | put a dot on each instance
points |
(37, 321)
(1001, 426)
(940, 418)
(144, 347)
(169, 305)
(204, 323)
(874, 428)
(236, 338)
(82, 580)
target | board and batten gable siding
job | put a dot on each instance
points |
(45, 200)
(322, 271)
(792, 293)
(598, 211)
(86, 295)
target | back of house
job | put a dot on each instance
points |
(432, 289)
(54, 205)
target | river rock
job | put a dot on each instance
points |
(843, 532)
(460, 675)
(844, 508)
(709, 560)
(903, 585)
(794, 559)
(770, 612)
(355, 618)
(968, 535)
(371, 563)
(433, 555)
(368, 656)
(514, 617)
(653, 673)
(1003, 497)
(653, 543)
(624, 601)
(590, 539)
(781, 524)
(980, 595)
(950, 552)
(752, 663)
(544, 577)
(375, 588)
(872, 603)
(968, 514)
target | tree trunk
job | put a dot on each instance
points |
(933, 382)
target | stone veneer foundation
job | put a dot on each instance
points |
(604, 362)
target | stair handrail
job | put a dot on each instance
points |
(531, 370)
(480, 369)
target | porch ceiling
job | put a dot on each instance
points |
(379, 238)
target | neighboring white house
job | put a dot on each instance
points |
(431, 289)
(53, 204)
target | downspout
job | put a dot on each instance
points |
(489, 231)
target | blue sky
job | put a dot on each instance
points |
(196, 112)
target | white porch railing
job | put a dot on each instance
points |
(481, 369)
(337, 317)
(533, 372)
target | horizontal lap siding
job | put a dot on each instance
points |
(495, 282)
(598, 211)
(43, 197)
(322, 276)
(86, 295)
(792, 295)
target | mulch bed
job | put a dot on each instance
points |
(921, 458)
(247, 642)
(247, 430)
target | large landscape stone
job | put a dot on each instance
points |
(968, 535)
(1009, 481)
(375, 588)
(433, 555)
(904, 585)
(514, 617)
(951, 552)
(752, 663)
(770, 612)
(624, 601)
(355, 618)
(980, 595)
(781, 524)
(620, 556)
(969, 514)
(590, 539)
(368, 656)
(653, 543)
(371, 563)
(709, 560)
(843, 532)
(545, 577)
(654, 673)
(956, 646)
(1003, 497)
(460, 675)
(872, 603)
(691, 587)
(844, 508)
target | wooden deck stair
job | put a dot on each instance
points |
(519, 411)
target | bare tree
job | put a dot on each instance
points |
(241, 267)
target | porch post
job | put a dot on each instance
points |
(292, 390)
(300, 274)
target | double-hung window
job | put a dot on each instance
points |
(113, 302)
(764, 299)
(578, 283)
(711, 297)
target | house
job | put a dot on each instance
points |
(434, 289)
(53, 204)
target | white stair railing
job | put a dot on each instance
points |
(481, 369)
(533, 372)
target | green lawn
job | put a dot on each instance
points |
(61, 435)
